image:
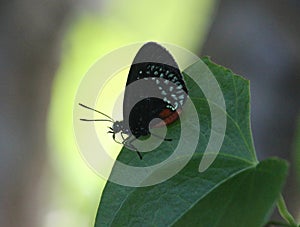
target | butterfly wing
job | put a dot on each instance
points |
(153, 61)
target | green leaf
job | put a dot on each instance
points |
(244, 200)
(235, 190)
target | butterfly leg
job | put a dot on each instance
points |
(128, 142)
(159, 137)
(122, 135)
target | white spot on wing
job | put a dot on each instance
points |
(174, 96)
(175, 105)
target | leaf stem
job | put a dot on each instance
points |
(285, 214)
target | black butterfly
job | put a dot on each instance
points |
(156, 65)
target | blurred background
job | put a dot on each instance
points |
(46, 48)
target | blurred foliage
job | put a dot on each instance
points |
(76, 189)
(297, 151)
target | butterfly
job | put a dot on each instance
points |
(155, 65)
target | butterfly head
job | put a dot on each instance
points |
(117, 126)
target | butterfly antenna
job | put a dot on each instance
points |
(82, 119)
(111, 120)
